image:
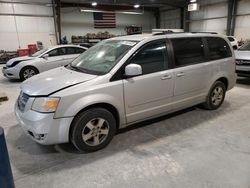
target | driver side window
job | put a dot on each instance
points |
(152, 57)
(57, 52)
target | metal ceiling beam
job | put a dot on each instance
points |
(103, 7)
(27, 3)
(145, 3)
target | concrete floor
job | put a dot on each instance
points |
(192, 148)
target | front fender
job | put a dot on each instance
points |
(72, 109)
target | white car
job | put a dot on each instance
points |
(233, 42)
(46, 59)
(242, 56)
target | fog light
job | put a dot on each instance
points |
(37, 136)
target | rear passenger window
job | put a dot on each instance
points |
(152, 58)
(79, 50)
(75, 50)
(218, 48)
(188, 51)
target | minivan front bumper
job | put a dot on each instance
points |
(42, 127)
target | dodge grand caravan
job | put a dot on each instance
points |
(124, 80)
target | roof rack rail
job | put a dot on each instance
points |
(171, 32)
(205, 32)
(165, 32)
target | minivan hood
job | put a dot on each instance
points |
(244, 55)
(53, 80)
(23, 58)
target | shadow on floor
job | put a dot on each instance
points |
(29, 157)
(243, 82)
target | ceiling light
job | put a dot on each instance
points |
(90, 10)
(137, 6)
(94, 4)
(118, 12)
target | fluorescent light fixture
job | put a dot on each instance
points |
(136, 6)
(118, 12)
(128, 12)
(193, 1)
(94, 4)
(89, 10)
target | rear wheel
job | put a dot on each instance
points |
(28, 72)
(216, 96)
(93, 129)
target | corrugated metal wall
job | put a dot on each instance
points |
(170, 18)
(212, 16)
(23, 24)
(242, 26)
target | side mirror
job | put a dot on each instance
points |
(45, 56)
(133, 70)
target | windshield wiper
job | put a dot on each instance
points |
(76, 68)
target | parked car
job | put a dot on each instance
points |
(242, 56)
(124, 80)
(234, 42)
(43, 60)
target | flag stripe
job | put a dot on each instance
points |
(104, 20)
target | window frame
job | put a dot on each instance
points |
(57, 51)
(75, 50)
(228, 45)
(205, 51)
(119, 75)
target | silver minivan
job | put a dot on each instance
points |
(124, 80)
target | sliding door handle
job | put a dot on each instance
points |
(166, 77)
(180, 74)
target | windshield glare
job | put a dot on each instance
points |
(39, 52)
(102, 57)
(245, 47)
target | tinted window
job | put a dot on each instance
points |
(188, 51)
(152, 58)
(218, 48)
(70, 50)
(74, 50)
(53, 53)
(57, 52)
(79, 50)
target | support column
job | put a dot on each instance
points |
(158, 19)
(58, 19)
(231, 16)
(186, 18)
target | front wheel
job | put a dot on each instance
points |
(92, 129)
(27, 72)
(216, 96)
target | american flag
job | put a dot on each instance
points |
(104, 20)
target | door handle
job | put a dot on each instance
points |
(180, 74)
(166, 77)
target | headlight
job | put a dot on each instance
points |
(45, 104)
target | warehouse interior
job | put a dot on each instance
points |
(191, 147)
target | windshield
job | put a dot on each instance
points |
(39, 52)
(102, 57)
(245, 47)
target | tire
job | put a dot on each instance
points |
(215, 96)
(87, 128)
(27, 72)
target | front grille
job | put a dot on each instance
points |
(241, 62)
(22, 100)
